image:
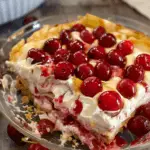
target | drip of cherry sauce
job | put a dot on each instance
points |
(15, 135)
(37, 147)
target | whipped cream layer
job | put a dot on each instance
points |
(91, 116)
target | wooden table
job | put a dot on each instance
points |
(52, 7)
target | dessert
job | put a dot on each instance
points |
(90, 76)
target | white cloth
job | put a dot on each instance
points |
(142, 6)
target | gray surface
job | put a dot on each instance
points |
(53, 7)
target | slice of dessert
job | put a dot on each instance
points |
(89, 75)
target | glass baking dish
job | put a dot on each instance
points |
(10, 111)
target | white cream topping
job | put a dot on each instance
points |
(91, 116)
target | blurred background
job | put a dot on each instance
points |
(16, 13)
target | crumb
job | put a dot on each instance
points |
(28, 116)
(25, 100)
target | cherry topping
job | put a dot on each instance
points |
(45, 126)
(127, 88)
(78, 27)
(97, 52)
(107, 40)
(61, 55)
(78, 58)
(65, 36)
(139, 125)
(91, 86)
(126, 47)
(29, 19)
(87, 37)
(116, 58)
(143, 60)
(103, 70)
(110, 101)
(36, 147)
(63, 70)
(144, 110)
(52, 45)
(38, 56)
(99, 31)
(78, 107)
(84, 70)
(15, 135)
(135, 73)
(75, 46)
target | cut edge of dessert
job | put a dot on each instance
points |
(90, 74)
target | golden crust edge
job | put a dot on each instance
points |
(47, 31)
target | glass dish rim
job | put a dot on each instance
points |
(39, 21)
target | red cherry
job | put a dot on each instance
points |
(84, 70)
(78, 27)
(110, 101)
(126, 47)
(91, 86)
(114, 57)
(15, 135)
(87, 37)
(97, 52)
(78, 107)
(78, 58)
(143, 60)
(61, 55)
(107, 40)
(45, 126)
(39, 56)
(52, 45)
(144, 110)
(135, 73)
(29, 19)
(65, 36)
(103, 70)
(127, 88)
(36, 147)
(139, 125)
(63, 70)
(75, 46)
(99, 31)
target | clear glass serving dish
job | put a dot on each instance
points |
(10, 111)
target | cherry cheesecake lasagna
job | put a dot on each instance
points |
(89, 76)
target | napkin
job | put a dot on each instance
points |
(142, 6)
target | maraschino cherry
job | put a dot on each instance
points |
(110, 101)
(135, 73)
(78, 58)
(103, 70)
(87, 37)
(63, 70)
(97, 52)
(126, 47)
(38, 56)
(99, 31)
(52, 45)
(78, 27)
(84, 71)
(15, 135)
(91, 86)
(107, 40)
(127, 88)
(144, 61)
(139, 125)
